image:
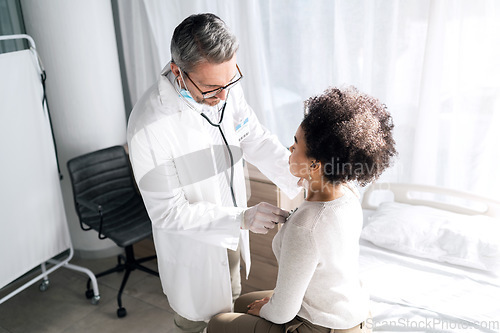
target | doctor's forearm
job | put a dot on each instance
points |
(204, 221)
(272, 160)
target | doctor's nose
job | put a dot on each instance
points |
(222, 95)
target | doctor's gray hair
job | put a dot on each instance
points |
(202, 38)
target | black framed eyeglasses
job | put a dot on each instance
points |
(212, 93)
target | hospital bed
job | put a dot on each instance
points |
(430, 259)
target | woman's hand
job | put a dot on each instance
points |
(255, 306)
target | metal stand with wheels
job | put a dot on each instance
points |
(44, 276)
(58, 233)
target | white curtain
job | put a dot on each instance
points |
(435, 63)
(147, 27)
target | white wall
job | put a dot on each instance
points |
(76, 42)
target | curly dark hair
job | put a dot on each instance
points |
(350, 133)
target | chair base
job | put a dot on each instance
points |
(128, 264)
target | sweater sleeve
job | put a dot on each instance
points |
(297, 264)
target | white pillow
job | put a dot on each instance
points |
(471, 241)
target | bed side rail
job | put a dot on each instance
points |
(432, 196)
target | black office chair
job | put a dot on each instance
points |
(106, 200)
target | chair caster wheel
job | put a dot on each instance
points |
(95, 300)
(121, 312)
(44, 285)
(89, 293)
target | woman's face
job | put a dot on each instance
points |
(298, 160)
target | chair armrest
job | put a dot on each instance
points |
(90, 205)
(96, 208)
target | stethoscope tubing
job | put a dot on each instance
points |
(227, 147)
(218, 125)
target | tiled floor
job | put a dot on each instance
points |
(64, 308)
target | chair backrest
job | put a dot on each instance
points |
(101, 177)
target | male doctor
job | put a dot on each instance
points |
(187, 136)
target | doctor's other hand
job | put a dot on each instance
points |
(262, 217)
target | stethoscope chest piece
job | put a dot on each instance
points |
(291, 213)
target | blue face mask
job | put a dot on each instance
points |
(185, 93)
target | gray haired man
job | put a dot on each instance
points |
(188, 136)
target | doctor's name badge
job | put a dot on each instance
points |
(242, 129)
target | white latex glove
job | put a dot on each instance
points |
(262, 217)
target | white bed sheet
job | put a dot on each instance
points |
(418, 295)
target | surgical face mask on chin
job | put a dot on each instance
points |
(188, 97)
(186, 94)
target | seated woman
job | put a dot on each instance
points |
(345, 137)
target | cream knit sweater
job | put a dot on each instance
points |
(317, 251)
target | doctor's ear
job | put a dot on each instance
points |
(175, 69)
(314, 164)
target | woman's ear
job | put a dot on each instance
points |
(315, 165)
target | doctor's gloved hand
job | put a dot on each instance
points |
(262, 217)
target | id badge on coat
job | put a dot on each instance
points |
(242, 129)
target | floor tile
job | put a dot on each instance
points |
(149, 290)
(114, 280)
(63, 308)
(50, 311)
(141, 317)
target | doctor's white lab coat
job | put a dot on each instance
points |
(172, 156)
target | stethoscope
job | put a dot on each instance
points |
(218, 125)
